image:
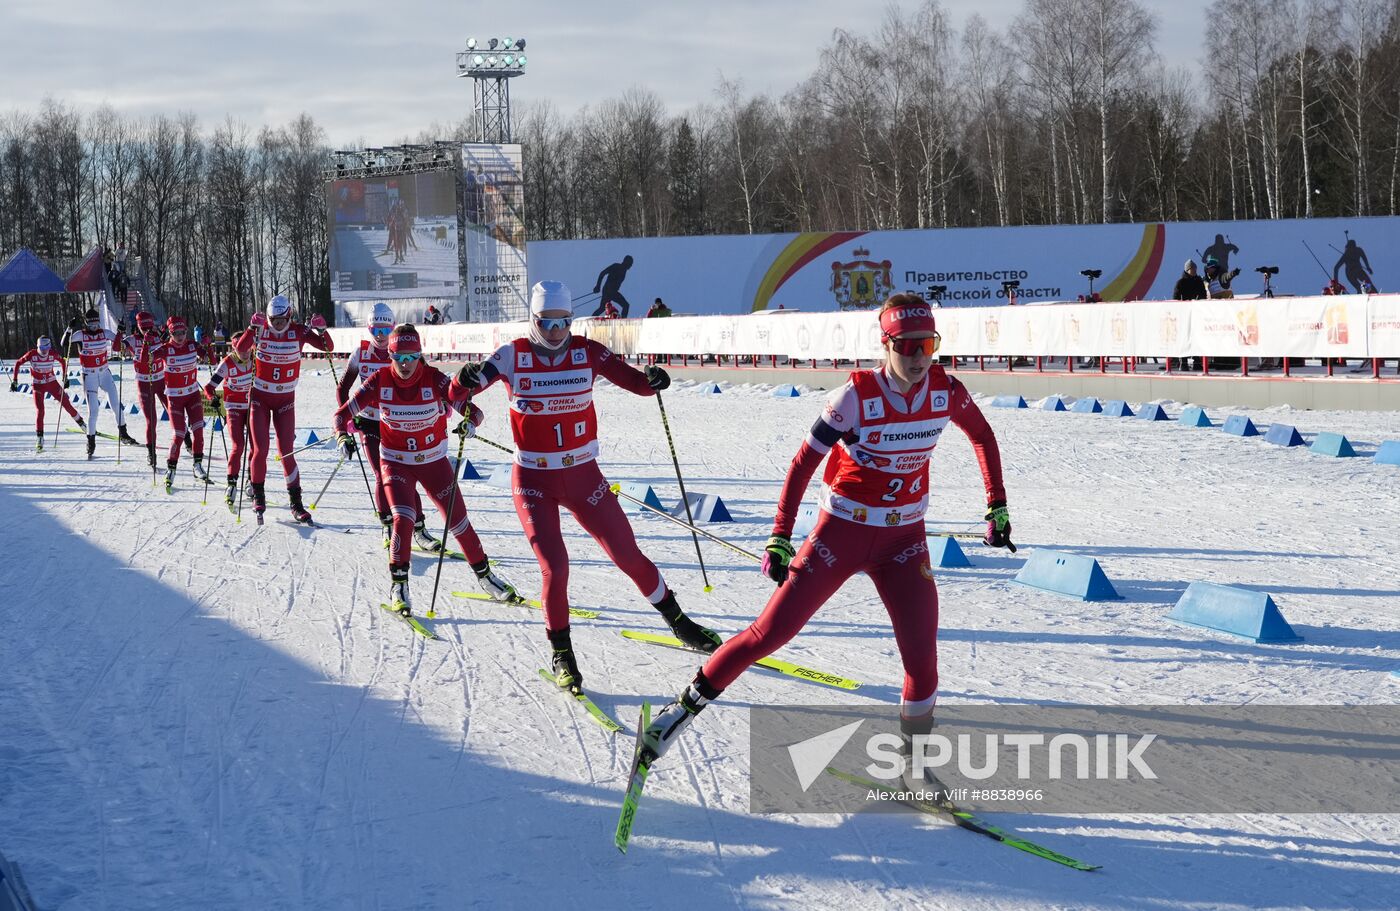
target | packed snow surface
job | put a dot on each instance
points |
(199, 713)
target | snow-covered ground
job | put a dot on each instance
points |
(196, 713)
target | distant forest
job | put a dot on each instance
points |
(1066, 117)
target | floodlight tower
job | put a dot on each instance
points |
(491, 67)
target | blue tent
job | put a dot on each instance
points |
(25, 273)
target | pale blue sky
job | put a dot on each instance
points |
(377, 71)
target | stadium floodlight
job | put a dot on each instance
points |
(491, 63)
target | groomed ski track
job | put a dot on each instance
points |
(197, 713)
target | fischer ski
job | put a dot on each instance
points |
(598, 715)
(413, 622)
(105, 436)
(773, 664)
(528, 602)
(642, 759)
(969, 821)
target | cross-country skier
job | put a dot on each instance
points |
(150, 377)
(235, 371)
(369, 358)
(277, 341)
(184, 401)
(412, 399)
(94, 350)
(880, 430)
(549, 378)
(43, 361)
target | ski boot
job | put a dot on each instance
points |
(498, 588)
(200, 474)
(923, 780)
(563, 662)
(259, 500)
(170, 477)
(422, 539)
(151, 455)
(398, 590)
(189, 443)
(126, 438)
(691, 634)
(82, 425)
(230, 492)
(92, 445)
(667, 725)
(40, 446)
(387, 521)
(298, 510)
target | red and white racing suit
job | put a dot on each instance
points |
(874, 494)
(276, 370)
(413, 448)
(237, 379)
(556, 436)
(42, 367)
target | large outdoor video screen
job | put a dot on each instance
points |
(394, 237)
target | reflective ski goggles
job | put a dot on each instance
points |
(912, 346)
(407, 357)
(549, 324)
(381, 332)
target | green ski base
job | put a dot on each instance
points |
(527, 602)
(413, 622)
(105, 436)
(598, 715)
(773, 664)
(636, 780)
(969, 821)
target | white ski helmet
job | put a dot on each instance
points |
(550, 295)
(381, 316)
(545, 297)
(279, 306)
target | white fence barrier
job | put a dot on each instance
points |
(1350, 326)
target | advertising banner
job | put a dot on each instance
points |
(494, 251)
(856, 270)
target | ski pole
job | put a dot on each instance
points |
(617, 489)
(447, 522)
(121, 418)
(328, 481)
(482, 439)
(243, 462)
(666, 424)
(1316, 260)
(280, 456)
(68, 350)
(373, 503)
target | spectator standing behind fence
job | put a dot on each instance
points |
(432, 317)
(121, 258)
(1218, 280)
(1190, 287)
(658, 308)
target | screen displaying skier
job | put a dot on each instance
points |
(393, 237)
